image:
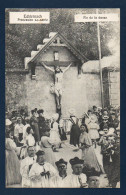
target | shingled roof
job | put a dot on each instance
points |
(46, 43)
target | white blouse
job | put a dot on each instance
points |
(30, 140)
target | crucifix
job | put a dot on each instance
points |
(58, 75)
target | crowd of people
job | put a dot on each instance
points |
(32, 142)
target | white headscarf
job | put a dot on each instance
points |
(8, 122)
(111, 131)
(55, 116)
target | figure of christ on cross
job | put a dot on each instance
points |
(58, 74)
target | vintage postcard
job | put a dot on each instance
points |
(62, 98)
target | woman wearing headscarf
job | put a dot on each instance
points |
(54, 132)
(88, 153)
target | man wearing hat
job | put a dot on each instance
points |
(77, 179)
(42, 172)
(58, 181)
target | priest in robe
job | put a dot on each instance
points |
(58, 180)
(77, 179)
(42, 172)
(26, 165)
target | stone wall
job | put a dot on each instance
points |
(114, 88)
(111, 87)
(38, 91)
(78, 93)
(93, 89)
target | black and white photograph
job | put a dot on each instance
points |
(62, 93)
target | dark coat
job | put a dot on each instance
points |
(34, 125)
(41, 124)
(102, 125)
(115, 177)
(74, 135)
(113, 123)
(62, 134)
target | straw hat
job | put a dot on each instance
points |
(101, 132)
(105, 117)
